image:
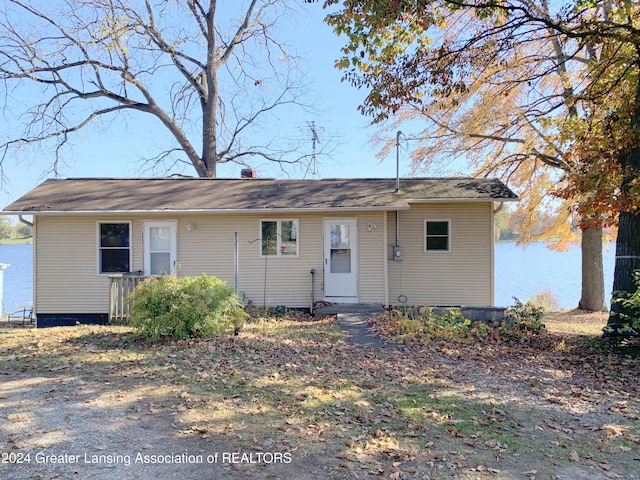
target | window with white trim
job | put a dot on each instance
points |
(437, 236)
(114, 247)
(279, 238)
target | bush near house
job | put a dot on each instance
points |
(184, 307)
(421, 323)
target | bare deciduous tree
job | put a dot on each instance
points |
(211, 72)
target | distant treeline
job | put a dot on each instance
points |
(14, 233)
(513, 224)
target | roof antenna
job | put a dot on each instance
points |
(398, 161)
(313, 164)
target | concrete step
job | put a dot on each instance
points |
(336, 308)
(352, 319)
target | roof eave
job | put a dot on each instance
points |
(191, 211)
(460, 200)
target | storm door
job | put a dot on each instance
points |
(340, 255)
(160, 252)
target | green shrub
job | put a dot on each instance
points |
(523, 318)
(277, 312)
(184, 307)
(422, 324)
(630, 316)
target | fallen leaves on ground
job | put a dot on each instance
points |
(496, 409)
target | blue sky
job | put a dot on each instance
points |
(116, 151)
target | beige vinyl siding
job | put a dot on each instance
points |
(209, 248)
(462, 276)
(371, 258)
(66, 279)
(137, 255)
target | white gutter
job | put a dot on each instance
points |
(460, 199)
(338, 210)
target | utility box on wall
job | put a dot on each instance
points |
(397, 252)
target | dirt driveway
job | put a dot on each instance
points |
(63, 423)
(62, 427)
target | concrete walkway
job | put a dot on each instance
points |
(352, 319)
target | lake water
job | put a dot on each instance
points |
(18, 278)
(520, 272)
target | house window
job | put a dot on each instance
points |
(279, 238)
(437, 234)
(114, 247)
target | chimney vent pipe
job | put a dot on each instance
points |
(248, 173)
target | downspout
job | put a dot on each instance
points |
(398, 161)
(493, 254)
(235, 262)
(313, 292)
(397, 253)
(25, 221)
(398, 184)
(3, 267)
(385, 243)
(34, 271)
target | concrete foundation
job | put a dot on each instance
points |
(483, 314)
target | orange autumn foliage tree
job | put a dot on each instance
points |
(430, 54)
(504, 115)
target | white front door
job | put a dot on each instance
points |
(340, 265)
(160, 247)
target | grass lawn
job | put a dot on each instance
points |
(534, 408)
(16, 241)
(576, 321)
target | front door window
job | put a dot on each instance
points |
(340, 248)
(160, 250)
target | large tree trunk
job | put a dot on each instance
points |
(628, 241)
(592, 298)
(627, 260)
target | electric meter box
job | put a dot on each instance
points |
(397, 252)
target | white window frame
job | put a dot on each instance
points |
(279, 235)
(100, 247)
(448, 236)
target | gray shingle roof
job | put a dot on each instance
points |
(208, 195)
